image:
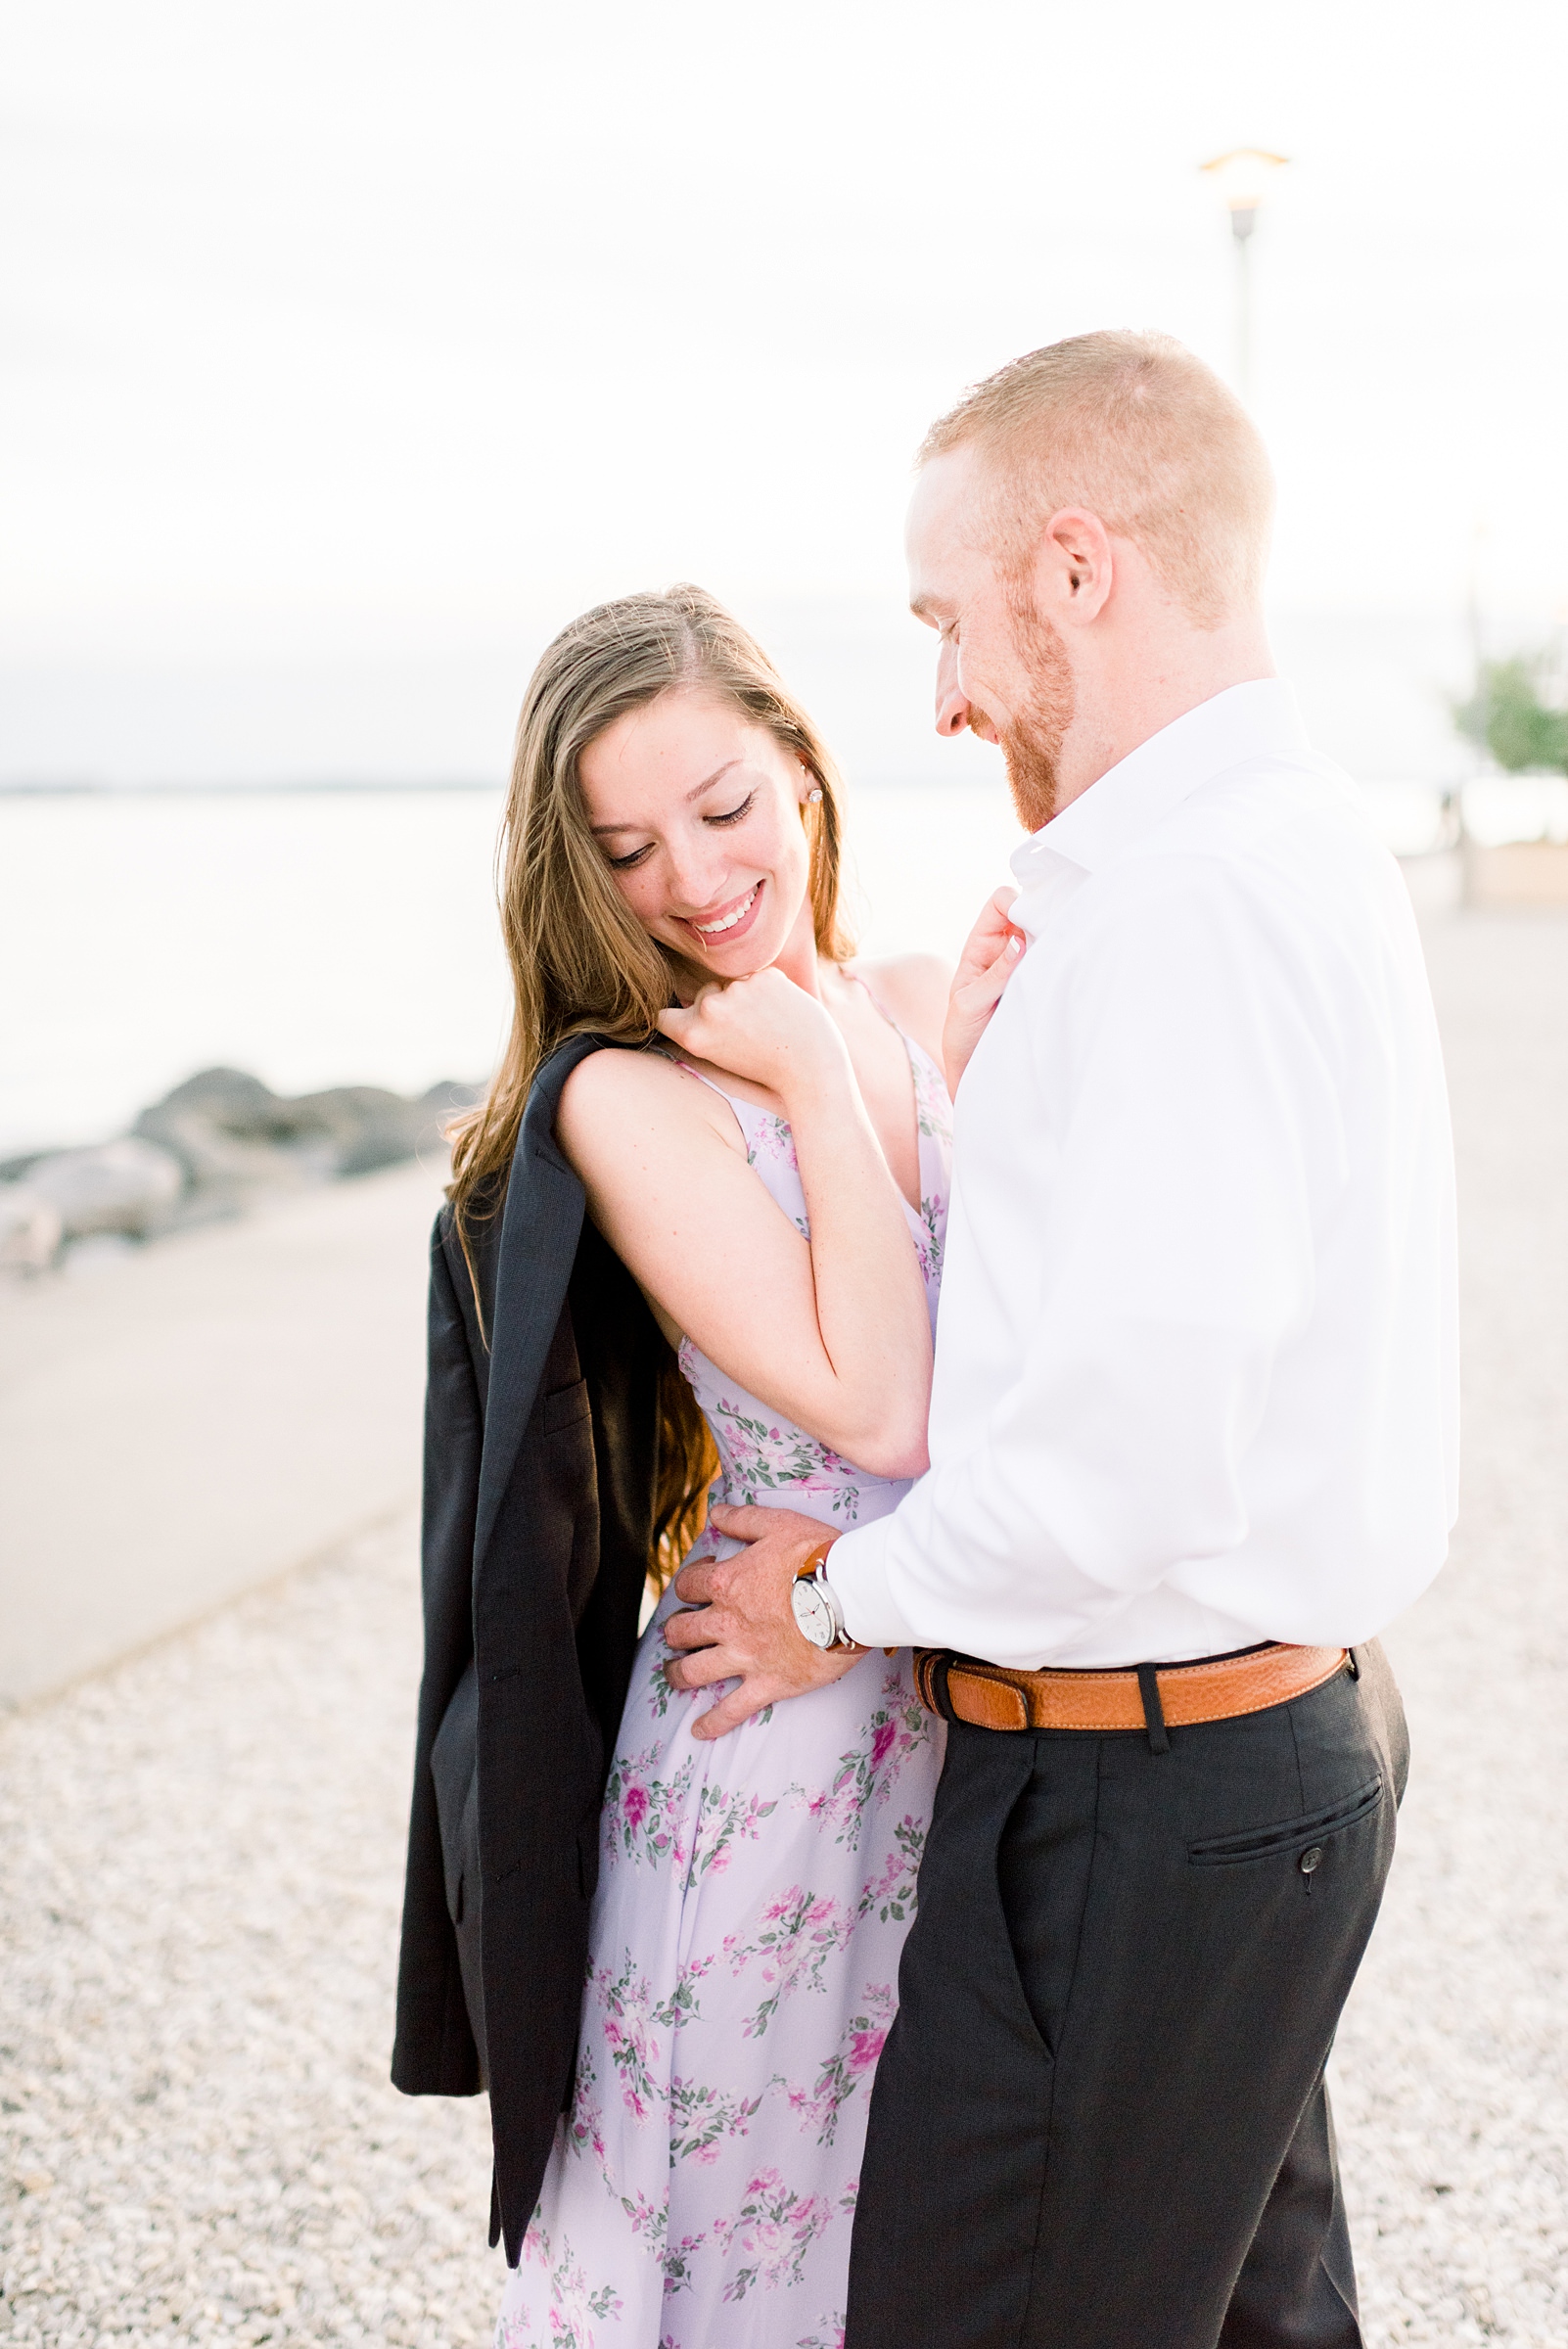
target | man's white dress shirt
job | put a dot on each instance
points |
(1196, 1379)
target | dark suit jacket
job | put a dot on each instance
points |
(540, 1453)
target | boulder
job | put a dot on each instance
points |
(207, 1149)
(129, 1186)
(233, 1135)
(32, 1230)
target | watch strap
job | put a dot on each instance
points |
(813, 1565)
(810, 1570)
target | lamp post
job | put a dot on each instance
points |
(1241, 177)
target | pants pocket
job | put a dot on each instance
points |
(1287, 1837)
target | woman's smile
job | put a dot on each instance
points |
(729, 922)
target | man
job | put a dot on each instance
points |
(1192, 1430)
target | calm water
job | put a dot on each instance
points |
(322, 938)
(327, 938)
(331, 937)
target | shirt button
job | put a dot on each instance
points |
(1311, 1858)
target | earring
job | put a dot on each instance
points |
(813, 796)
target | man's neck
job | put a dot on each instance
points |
(1123, 701)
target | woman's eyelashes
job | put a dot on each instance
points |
(731, 816)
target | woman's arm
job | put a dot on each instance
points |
(834, 1333)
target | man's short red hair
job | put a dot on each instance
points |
(1139, 432)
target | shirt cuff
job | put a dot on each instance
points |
(855, 1571)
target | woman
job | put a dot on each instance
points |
(754, 1893)
(773, 1173)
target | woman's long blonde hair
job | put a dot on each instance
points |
(582, 963)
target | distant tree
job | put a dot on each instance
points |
(1507, 716)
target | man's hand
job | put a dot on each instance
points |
(991, 953)
(741, 1625)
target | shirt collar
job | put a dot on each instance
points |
(1257, 720)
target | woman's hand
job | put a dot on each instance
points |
(764, 1027)
(991, 955)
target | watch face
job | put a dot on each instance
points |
(813, 1614)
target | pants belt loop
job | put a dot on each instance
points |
(1153, 1710)
(940, 1667)
(932, 1667)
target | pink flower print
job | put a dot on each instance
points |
(721, 1819)
(570, 2304)
(865, 2048)
(800, 1932)
(647, 2219)
(701, 2117)
(773, 1140)
(629, 2023)
(860, 2047)
(646, 1814)
(773, 2229)
(887, 1732)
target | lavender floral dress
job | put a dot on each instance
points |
(753, 1897)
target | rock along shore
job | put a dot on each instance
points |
(219, 1144)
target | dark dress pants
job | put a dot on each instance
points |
(1099, 2119)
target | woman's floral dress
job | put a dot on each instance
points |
(753, 1897)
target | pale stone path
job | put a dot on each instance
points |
(200, 1859)
(188, 1421)
(1452, 2069)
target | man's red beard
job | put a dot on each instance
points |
(1031, 744)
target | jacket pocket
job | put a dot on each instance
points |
(1291, 1835)
(566, 1406)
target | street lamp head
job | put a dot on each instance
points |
(1241, 177)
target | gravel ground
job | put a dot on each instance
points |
(201, 1857)
(201, 1862)
(1452, 2066)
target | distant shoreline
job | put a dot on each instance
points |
(225, 791)
(364, 789)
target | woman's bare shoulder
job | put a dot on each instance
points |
(612, 1092)
(913, 988)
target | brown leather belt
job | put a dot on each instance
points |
(994, 1697)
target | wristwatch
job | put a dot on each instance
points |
(818, 1615)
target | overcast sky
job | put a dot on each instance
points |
(345, 332)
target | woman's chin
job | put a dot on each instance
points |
(748, 955)
(744, 961)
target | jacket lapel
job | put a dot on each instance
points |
(539, 1232)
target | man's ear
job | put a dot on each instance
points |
(1074, 567)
